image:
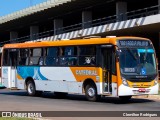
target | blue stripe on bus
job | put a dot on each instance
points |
(33, 72)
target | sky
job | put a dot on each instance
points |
(10, 6)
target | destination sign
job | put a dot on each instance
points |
(134, 43)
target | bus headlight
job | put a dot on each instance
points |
(156, 80)
(124, 81)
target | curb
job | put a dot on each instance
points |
(148, 96)
(154, 97)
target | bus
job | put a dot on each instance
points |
(113, 66)
(1, 86)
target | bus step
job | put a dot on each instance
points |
(14, 88)
(107, 93)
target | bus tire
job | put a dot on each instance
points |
(125, 98)
(31, 89)
(91, 93)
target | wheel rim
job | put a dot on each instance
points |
(30, 88)
(91, 92)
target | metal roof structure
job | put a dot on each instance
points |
(44, 14)
(32, 10)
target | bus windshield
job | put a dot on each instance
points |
(137, 61)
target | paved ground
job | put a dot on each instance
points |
(19, 101)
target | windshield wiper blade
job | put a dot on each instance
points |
(131, 53)
(145, 56)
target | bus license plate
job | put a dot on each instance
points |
(142, 90)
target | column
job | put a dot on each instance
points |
(13, 36)
(158, 55)
(58, 26)
(86, 19)
(159, 6)
(34, 30)
(121, 9)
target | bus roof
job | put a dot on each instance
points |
(91, 41)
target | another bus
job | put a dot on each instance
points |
(1, 86)
(118, 66)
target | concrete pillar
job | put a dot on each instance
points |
(86, 19)
(158, 51)
(58, 25)
(13, 36)
(159, 6)
(121, 9)
(34, 30)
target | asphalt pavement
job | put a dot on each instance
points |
(18, 100)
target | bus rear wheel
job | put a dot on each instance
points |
(31, 89)
(91, 92)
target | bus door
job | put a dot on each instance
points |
(107, 54)
(13, 59)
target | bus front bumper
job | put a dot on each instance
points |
(128, 91)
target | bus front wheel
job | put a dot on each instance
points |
(91, 92)
(31, 89)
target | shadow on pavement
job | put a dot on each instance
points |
(50, 95)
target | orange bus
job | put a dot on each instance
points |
(119, 66)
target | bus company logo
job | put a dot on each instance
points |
(86, 72)
(141, 76)
(142, 85)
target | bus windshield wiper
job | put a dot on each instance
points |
(145, 56)
(132, 53)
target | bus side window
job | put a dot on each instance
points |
(13, 55)
(62, 59)
(51, 57)
(87, 55)
(69, 56)
(35, 55)
(72, 53)
(23, 57)
(5, 57)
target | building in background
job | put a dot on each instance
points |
(68, 19)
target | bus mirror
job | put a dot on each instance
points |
(106, 46)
